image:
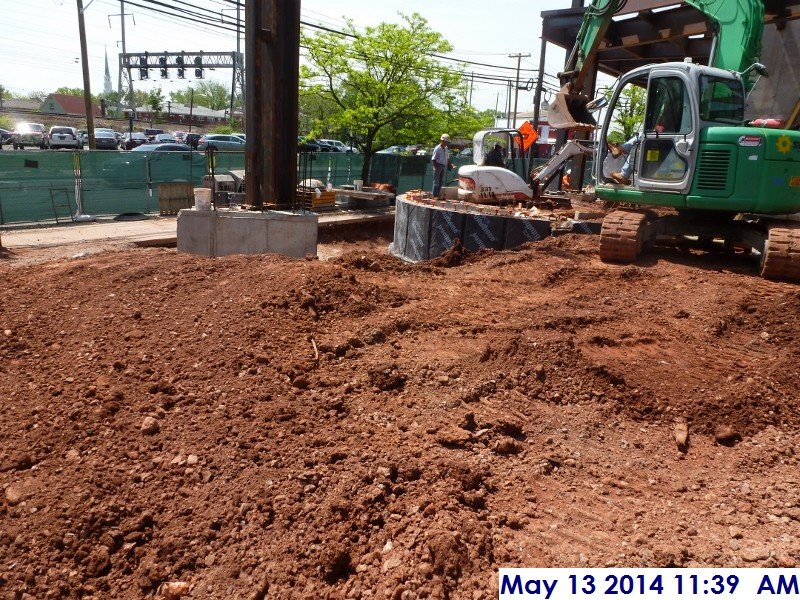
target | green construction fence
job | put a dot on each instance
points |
(41, 186)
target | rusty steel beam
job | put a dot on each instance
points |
(272, 49)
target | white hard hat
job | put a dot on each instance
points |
(569, 171)
(445, 137)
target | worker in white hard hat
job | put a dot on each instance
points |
(441, 162)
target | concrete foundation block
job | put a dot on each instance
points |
(222, 233)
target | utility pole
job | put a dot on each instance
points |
(236, 62)
(508, 105)
(131, 100)
(537, 97)
(87, 90)
(471, 85)
(519, 58)
(191, 108)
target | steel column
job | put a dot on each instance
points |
(272, 47)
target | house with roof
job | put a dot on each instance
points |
(176, 113)
(62, 104)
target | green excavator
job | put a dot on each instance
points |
(697, 174)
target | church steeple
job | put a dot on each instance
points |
(107, 89)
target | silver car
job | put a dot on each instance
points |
(65, 137)
(218, 141)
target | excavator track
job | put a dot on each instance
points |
(622, 236)
(781, 258)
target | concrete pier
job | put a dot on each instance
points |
(223, 232)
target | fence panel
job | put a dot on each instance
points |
(228, 161)
(30, 182)
(115, 183)
(168, 167)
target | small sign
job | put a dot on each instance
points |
(750, 141)
(652, 155)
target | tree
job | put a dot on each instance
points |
(68, 91)
(628, 115)
(210, 94)
(155, 100)
(3, 93)
(384, 81)
(38, 96)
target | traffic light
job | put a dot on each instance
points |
(198, 72)
(143, 72)
(181, 70)
(162, 60)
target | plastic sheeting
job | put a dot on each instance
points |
(423, 232)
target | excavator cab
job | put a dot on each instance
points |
(661, 156)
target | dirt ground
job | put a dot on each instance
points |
(356, 427)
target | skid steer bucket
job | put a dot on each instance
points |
(568, 111)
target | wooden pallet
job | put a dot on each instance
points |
(174, 197)
(309, 200)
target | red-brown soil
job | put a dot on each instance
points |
(261, 427)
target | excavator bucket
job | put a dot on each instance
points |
(568, 111)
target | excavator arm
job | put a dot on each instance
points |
(738, 26)
(568, 109)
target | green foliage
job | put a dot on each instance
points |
(5, 123)
(141, 98)
(155, 100)
(68, 91)
(628, 114)
(3, 95)
(382, 87)
(210, 94)
(38, 96)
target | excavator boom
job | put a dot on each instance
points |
(568, 109)
(738, 27)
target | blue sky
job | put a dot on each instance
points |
(39, 47)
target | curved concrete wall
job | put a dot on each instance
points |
(424, 232)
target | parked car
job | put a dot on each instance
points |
(133, 140)
(105, 140)
(241, 135)
(326, 147)
(340, 146)
(192, 139)
(392, 150)
(164, 138)
(65, 137)
(219, 141)
(30, 134)
(307, 144)
(151, 133)
(180, 136)
(5, 136)
(169, 147)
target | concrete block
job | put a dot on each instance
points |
(196, 231)
(222, 233)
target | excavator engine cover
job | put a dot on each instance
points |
(568, 111)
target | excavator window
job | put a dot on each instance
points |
(721, 100)
(668, 117)
(668, 106)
